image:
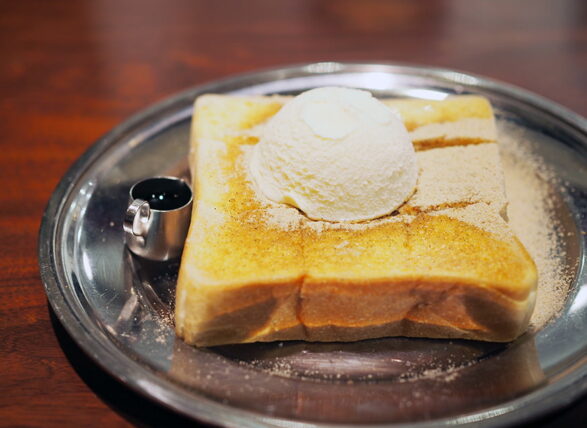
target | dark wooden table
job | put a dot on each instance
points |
(71, 70)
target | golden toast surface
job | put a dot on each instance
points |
(444, 265)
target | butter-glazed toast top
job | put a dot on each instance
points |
(451, 228)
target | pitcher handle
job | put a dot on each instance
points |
(136, 219)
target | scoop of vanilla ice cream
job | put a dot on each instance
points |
(337, 154)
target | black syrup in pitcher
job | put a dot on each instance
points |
(163, 194)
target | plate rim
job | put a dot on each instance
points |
(171, 395)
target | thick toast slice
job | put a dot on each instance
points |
(445, 265)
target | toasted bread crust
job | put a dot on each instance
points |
(445, 265)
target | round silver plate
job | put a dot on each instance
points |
(118, 307)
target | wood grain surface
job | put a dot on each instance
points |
(71, 70)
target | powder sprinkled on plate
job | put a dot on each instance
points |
(531, 212)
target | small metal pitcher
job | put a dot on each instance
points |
(158, 217)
